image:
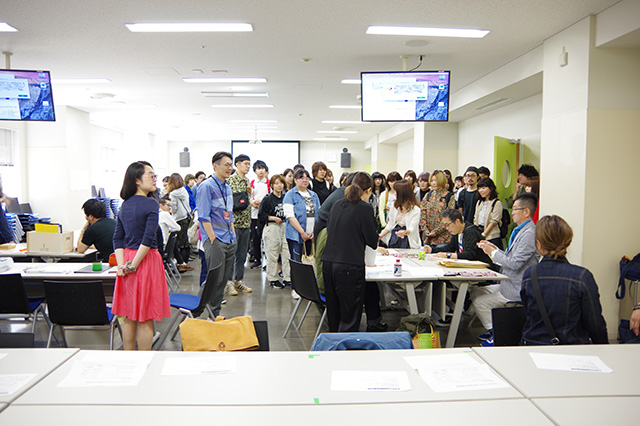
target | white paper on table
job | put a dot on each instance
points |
(584, 363)
(455, 372)
(386, 260)
(2, 355)
(460, 379)
(378, 272)
(10, 383)
(113, 368)
(199, 365)
(396, 381)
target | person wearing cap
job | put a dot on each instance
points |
(468, 196)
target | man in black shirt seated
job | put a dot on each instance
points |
(98, 231)
(464, 240)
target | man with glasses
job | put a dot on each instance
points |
(464, 240)
(520, 254)
(215, 208)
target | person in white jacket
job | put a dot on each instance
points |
(404, 219)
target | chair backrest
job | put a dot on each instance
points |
(13, 296)
(303, 280)
(17, 340)
(171, 245)
(76, 302)
(262, 331)
(362, 341)
(508, 323)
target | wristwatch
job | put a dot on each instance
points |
(129, 267)
(448, 255)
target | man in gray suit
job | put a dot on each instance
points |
(520, 254)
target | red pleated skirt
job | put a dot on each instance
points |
(143, 295)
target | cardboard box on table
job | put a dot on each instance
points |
(45, 242)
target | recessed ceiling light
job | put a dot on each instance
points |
(330, 139)
(426, 32)
(81, 81)
(345, 106)
(224, 80)
(241, 106)
(256, 126)
(338, 131)
(197, 27)
(416, 43)
(6, 28)
(235, 94)
(253, 121)
(343, 122)
(351, 81)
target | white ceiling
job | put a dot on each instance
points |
(88, 39)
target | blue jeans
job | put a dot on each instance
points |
(295, 249)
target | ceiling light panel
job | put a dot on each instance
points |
(185, 27)
(81, 81)
(343, 122)
(351, 81)
(241, 106)
(345, 106)
(224, 80)
(235, 94)
(427, 32)
(6, 28)
(342, 132)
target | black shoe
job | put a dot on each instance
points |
(379, 327)
(286, 283)
(276, 284)
(252, 259)
(256, 264)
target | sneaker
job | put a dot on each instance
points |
(256, 264)
(240, 287)
(486, 336)
(295, 295)
(276, 284)
(487, 344)
(286, 283)
(224, 301)
(231, 289)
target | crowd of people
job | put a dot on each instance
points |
(277, 218)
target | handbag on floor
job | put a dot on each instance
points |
(223, 335)
(427, 340)
(309, 258)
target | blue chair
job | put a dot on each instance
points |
(362, 341)
(79, 304)
(14, 302)
(303, 281)
(190, 306)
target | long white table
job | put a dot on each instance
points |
(40, 362)
(415, 271)
(606, 410)
(516, 365)
(261, 378)
(64, 271)
(480, 413)
(20, 252)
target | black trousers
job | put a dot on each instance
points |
(372, 303)
(256, 240)
(344, 289)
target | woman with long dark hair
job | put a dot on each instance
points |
(351, 228)
(181, 212)
(404, 219)
(489, 212)
(140, 293)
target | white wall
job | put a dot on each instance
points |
(520, 120)
(329, 153)
(404, 155)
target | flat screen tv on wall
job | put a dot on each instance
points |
(405, 96)
(26, 96)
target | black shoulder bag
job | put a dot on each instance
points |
(541, 308)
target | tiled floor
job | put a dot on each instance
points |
(266, 303)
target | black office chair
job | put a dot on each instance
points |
(508, 323)
(14, 302)
(303, 280)
(79, 304)
(17, 340)
(190, 306)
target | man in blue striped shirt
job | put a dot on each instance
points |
(214, 201)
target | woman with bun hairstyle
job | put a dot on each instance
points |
(350, 229)
(569, 292)
(140, 293)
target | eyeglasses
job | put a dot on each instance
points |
(303, 178)
(153, 176)
(518, 208)
(445, 224)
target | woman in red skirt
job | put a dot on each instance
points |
(141, 294)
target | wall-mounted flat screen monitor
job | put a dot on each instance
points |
(405, 96)
(26, 96)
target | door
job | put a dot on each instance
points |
(505, 166)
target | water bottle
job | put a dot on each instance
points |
(397, 268)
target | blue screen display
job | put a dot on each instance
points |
(26, 95)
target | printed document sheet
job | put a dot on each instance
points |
(370, 381)
(115, 368)
(583, 363)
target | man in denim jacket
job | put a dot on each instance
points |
(520, 254)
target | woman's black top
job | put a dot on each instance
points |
(350, 228)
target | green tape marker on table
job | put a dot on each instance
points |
(313, 356)
(316, 400)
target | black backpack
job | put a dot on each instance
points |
(505, 221)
